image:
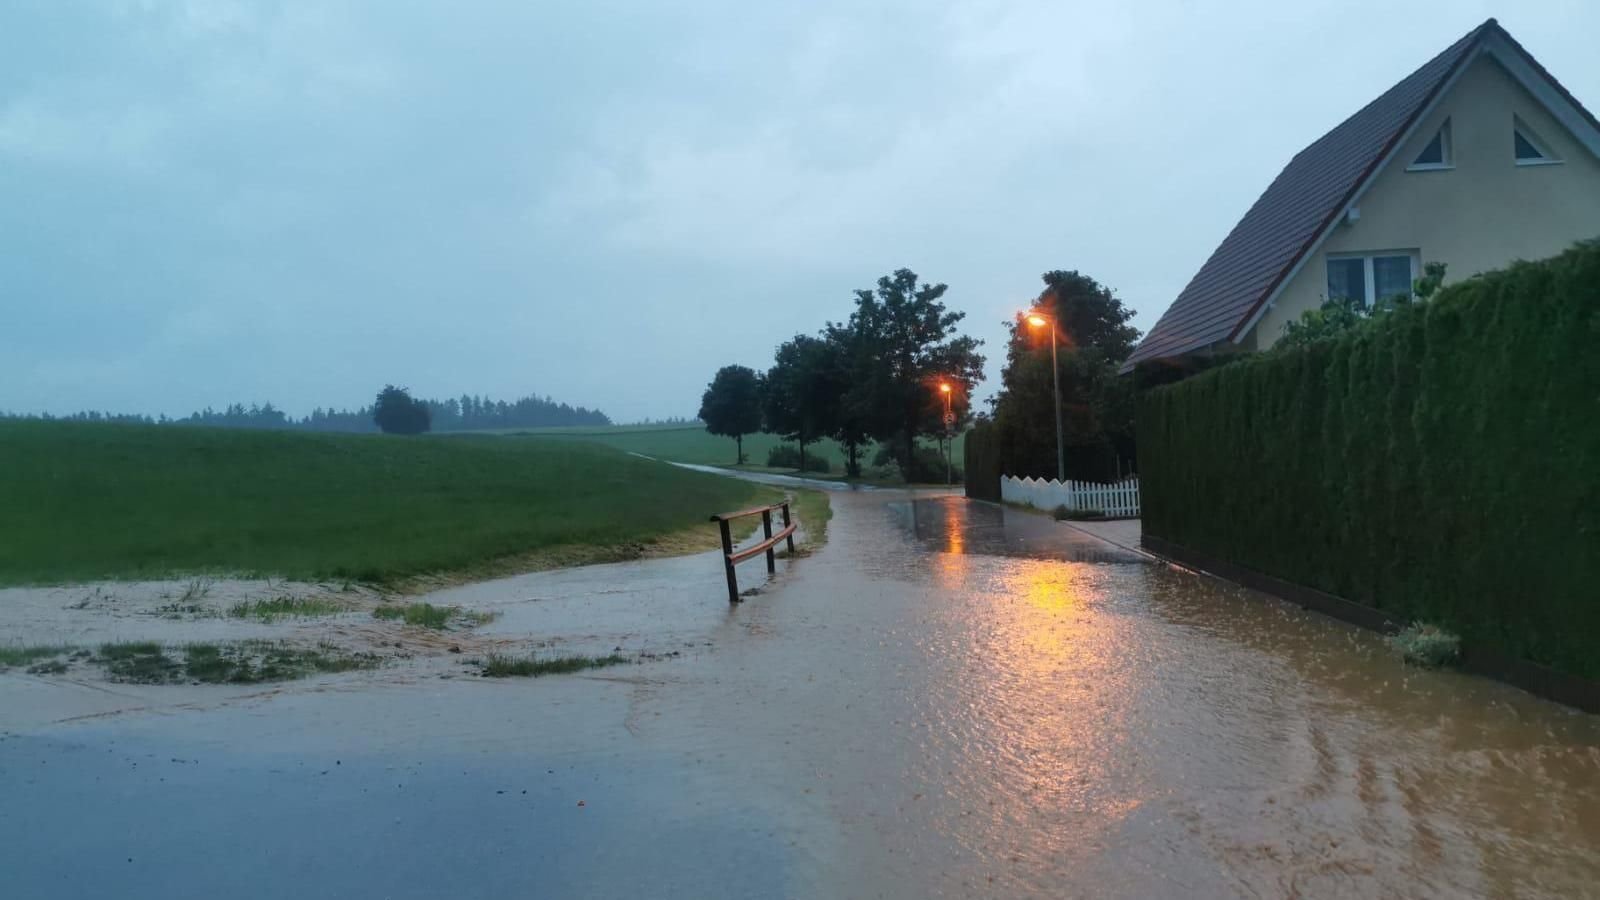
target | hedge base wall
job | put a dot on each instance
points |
(1543, 681)
(1439, 464)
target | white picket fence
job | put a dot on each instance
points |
(1120, 499)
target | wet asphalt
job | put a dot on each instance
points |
(950, 699)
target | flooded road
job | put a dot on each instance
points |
(949, 700)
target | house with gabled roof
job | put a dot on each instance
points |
(1477, 159)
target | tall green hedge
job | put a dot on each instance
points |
(1440, 463)
(980, 461)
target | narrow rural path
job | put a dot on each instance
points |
(950, 700)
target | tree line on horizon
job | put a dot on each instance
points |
(875, 377)
(465, 413)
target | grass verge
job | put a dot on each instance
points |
(497, 666)
(813, 509)
(92, 501)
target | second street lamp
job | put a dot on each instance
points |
(949, 422)
(1039, 319)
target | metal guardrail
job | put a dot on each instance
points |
(731, 558)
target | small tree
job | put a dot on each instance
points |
(395, 412)
(731, 405)
(802, 391)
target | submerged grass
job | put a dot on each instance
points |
(90, 501)
(139, 662)
(286, 608)
(245, 662)
(17, 655)
(424, 615)
(497, 666)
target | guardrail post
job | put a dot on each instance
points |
(766, 532)
(727, 562)
(786, 525)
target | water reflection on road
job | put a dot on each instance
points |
(951, 699)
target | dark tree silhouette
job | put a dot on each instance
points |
(731, 405)
(397, 413)
(801, 394)
(905, 344)
(1096, 404)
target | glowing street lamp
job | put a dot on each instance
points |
(1039, 319)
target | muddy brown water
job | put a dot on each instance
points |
(951, 699)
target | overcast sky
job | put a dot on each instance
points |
(208, 202)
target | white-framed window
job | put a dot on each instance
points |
(1370, 277)
(1527, 148)
(1437, 153)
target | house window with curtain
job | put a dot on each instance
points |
(1368, 278)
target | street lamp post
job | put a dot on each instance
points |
(949, 420)
(1039, 320)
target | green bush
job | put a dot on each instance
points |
(1428, 646)
(1440, 463)
(787, 456)
(928, 466)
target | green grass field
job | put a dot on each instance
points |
(693, 444)
(90, 501)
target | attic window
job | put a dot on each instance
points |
(1438, 154)
(1528, 148)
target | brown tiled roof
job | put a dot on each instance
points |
(1285, 221)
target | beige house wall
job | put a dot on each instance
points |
(1480, 215)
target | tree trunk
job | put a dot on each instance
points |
(738, 443)
(802, 457)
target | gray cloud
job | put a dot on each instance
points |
(214, 201)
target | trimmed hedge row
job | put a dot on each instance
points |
(1441, 463)
(980, 461)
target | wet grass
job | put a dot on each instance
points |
(813, 509)
(138, 662)
(497, 666)
(286, 608)
(693, 444)
(1428, 646)
(92, 501)
(244, 662)
(426, 615)
(422, 615)
(252, 662)
(19, 655)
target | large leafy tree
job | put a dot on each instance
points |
(802, 392)
(731, 405)
(1097, 406)
(906, 343)
(396, 412)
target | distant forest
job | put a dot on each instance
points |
(464, 413)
